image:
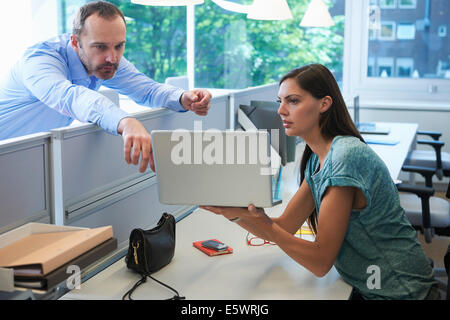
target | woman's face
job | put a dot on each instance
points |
(298, 110)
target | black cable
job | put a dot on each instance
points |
(144, 279)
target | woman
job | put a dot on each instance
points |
(348, 197)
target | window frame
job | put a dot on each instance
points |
(381, 91)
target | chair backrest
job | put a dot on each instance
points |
(180, 82)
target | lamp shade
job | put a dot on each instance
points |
(232, 6)
(269, 10)
(167, 2)
(317, 15)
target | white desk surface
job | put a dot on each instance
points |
(394, 155)
(264, 272)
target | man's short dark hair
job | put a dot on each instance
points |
(103, 9)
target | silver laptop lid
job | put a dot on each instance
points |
(212, 167)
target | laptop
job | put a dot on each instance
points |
(213, 167)
(367, 127)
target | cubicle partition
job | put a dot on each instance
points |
(25, 190)
(94, 186)
(266, 92)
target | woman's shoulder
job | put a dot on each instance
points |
(349, 149)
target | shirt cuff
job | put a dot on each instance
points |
(173, 102)
(111, 119)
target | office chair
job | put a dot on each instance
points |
(436, 159)
(429, 214)
(180, 82)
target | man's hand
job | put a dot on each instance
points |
(136, 140)
(196, 101)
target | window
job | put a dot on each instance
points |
(388, 4)
(387, 31)
(234, 52)
(385, 67)
(404, 67)
(415, 59)
(442, 31)
(156, 39)
(23, 23)
(407, 4)
(406, 31)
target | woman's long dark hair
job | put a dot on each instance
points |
(336, 121)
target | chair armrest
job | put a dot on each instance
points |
(424, 193)
(433, 143)
(426, 172)
(437, 146)
(420, 191)
(434, 134)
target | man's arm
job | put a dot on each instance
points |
(144, 90)
(46, 77)
(147, 92)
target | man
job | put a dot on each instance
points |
(56, 82)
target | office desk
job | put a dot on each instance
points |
(249, 272)
(264, 272)
(394, 155)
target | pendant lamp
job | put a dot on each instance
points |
(232, 6)
(168, 2)
(317, 15)
(269, 10)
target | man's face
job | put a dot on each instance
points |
(100, 46)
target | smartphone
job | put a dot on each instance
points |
(215, 245)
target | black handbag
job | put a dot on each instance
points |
(151, 250)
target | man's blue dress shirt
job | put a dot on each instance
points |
(49, 88)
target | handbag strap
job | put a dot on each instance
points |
(143, 280)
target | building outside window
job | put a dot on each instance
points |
(418, 33)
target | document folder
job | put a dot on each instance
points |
(38, 254)
(61, 274)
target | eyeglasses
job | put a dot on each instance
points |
(257, 241)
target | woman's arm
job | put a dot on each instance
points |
(317, 256)
(297, 211)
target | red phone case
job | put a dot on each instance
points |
(211, 252)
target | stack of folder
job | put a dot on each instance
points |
(41, 259)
